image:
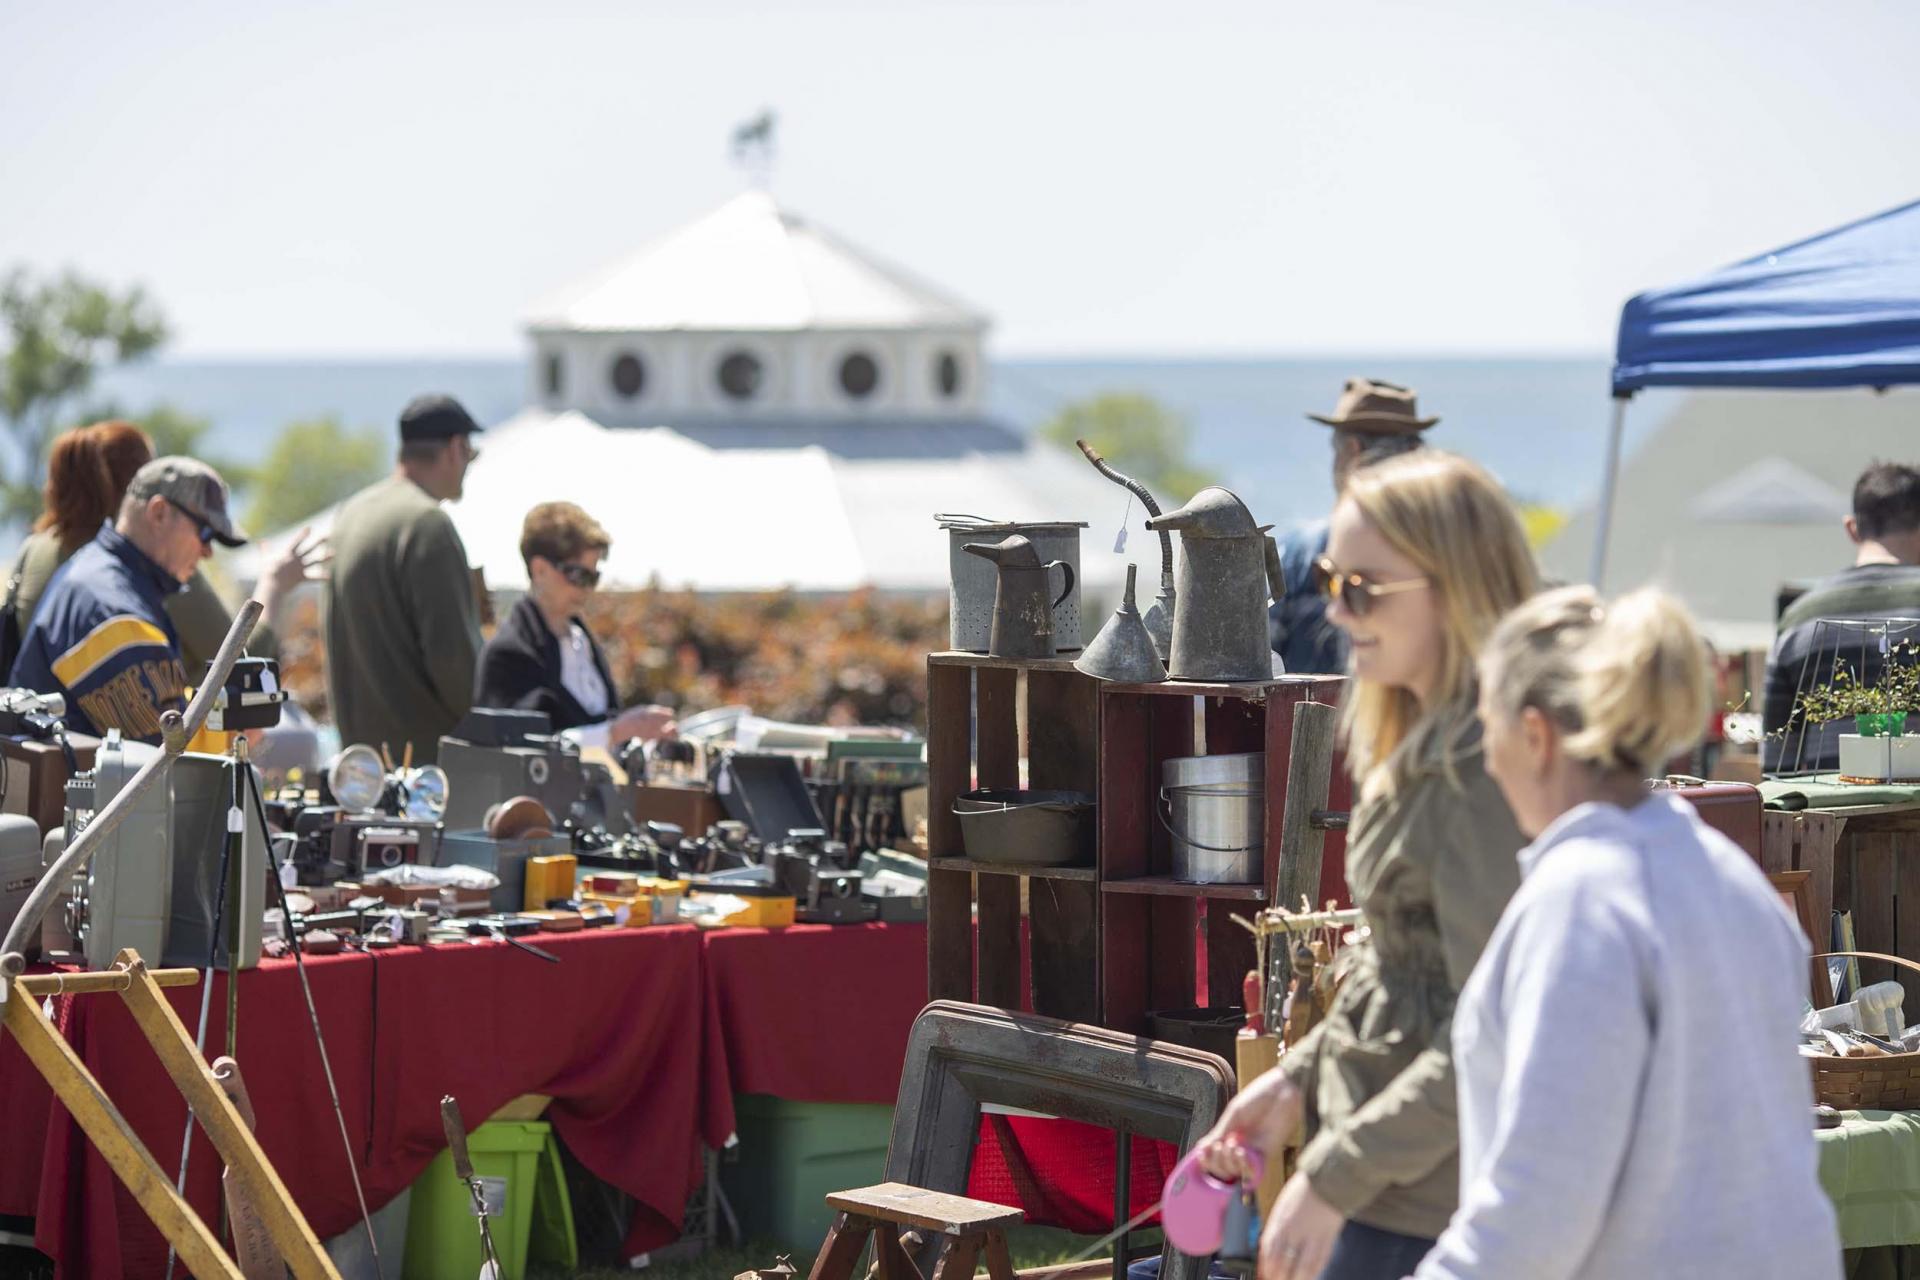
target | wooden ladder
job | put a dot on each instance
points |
(130, 1160)
(971, 1228)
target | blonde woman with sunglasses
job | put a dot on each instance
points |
(1424, 555)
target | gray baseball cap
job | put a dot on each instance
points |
(193, 487)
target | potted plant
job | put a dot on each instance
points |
(1879, 749)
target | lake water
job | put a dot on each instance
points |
(1539, 423)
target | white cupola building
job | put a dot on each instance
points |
(751, 403)
(753, 313)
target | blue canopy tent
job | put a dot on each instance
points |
(1841, 309)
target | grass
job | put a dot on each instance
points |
(1030, 1246)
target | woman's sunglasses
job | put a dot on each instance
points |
(580, 575)
(1355, 590)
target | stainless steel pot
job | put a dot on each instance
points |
(1214, 807)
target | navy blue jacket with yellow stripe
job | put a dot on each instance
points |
(101, 636)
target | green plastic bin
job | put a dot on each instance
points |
(792, 1155)
(443, 1237)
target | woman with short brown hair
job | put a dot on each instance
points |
(543, 658)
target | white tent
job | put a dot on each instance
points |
(739, 508)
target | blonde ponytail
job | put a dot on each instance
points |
(1626, 683)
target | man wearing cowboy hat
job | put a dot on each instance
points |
(1373, 420)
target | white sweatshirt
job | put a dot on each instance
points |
(1631, 1102)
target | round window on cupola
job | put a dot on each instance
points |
(629, 375)
(859, 375)
(947, 374)
(740, 375)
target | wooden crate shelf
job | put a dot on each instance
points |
(1152, 927)
(995, 934)
(978, 867)
(1167, 886)
(1107, 943)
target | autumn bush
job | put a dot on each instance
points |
(858, 658)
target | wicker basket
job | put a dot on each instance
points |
(1888, 1082)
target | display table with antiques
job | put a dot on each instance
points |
(645, 1032)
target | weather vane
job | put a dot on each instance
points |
(753, 147)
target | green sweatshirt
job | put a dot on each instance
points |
(403, 627)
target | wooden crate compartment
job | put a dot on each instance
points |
(1035, 941)
(1153, 928)
(1102, 944)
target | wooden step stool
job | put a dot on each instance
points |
(973, 1227)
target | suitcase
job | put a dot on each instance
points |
(1731, 808)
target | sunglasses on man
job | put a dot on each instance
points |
(1356, 591)
(203, 528)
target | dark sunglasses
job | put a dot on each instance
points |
(203, 530)
(579, 575)
(1355, 590)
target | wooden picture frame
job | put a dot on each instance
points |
(1796, 891)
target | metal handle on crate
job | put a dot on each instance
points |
(1164, 812)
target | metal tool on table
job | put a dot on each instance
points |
(1124, 651)
(463, 1170)
(1226, 570)
(1023, 600)
(1159, 616)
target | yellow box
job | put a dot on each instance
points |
(762, 913)
(550, 879)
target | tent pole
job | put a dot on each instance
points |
(1608, 483)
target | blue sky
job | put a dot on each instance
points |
(1202, 178)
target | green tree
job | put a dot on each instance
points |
(312, 465)
(59, 333)
(1139, 436)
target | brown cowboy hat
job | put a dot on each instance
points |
(1382, 408)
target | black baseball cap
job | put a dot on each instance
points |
(435, 418)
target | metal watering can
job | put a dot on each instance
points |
(1023, 600)
(1226, 568)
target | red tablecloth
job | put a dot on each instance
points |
(816, 1013)
(615, 1033)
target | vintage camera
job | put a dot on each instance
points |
(815, 871)
(26, 714)
(154, 883)
(250, 698)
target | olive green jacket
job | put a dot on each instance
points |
(1432, 865)
(402, 621)
(199, 615)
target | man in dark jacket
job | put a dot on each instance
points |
(402, 615)
(543, 658)
(101, 635)
(1883, 585)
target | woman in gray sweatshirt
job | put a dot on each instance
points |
(1631, 1100)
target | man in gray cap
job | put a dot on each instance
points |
(1373, 420)
(101, 635)
(402, 618)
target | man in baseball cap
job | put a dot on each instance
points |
(1373, 420)
(402, 614)
(101, 635)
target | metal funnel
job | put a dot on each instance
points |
(1123, 651)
